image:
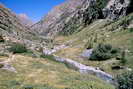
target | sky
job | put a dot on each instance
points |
(34, 9)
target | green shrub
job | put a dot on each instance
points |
(103, 52)
(101, 3)
(1, 65)
(45, 86)
(50, 57)
(1, 39)
(123, 57)
(3, 54)
(28, 87)
(130, 29)
(125, 80)
(17, 48)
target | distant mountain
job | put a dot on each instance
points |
(9, 22)
(25, 20)
(67, 17)
(12, 28)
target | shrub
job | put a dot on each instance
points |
(103, 52)
(1, 65)
(125, 80)
(50, 57)
(101, 3)
(3, 54)
(89, 44)
(17, 48)
(130, 29)
(28, 87)
(1, 39)
(123, 57)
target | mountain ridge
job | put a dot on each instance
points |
(67, 21)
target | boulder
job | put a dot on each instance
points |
(6, 66)
(87, 53)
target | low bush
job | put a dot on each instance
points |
(3, 54)
(1, 39)
(1, 65)
(130, 29)
(50, 57)
(123, 57)
(90, 43)
(125, 80)
(103, 52)
(18, 48)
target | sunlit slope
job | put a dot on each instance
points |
(114, 33)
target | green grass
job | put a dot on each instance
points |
(107, 31)
(41, 73)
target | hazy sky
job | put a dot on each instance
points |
(35, 9)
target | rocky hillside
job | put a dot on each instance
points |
(10, 24)
(12, 29)
(54, 18)
(72, 15)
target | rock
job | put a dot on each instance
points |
(129, 69)
(116, 9)
(87, 53)
(47, 51)
(1, 65)
(7, 66)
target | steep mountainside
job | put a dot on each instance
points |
(66, 18)
(56, 16)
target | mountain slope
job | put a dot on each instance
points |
(72, 15)
(12, 29)
(55, 16)
(10, 25)
(115, 33)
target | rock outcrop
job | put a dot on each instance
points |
(116, 9)
(87, 53)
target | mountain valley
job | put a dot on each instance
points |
(79, 44)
